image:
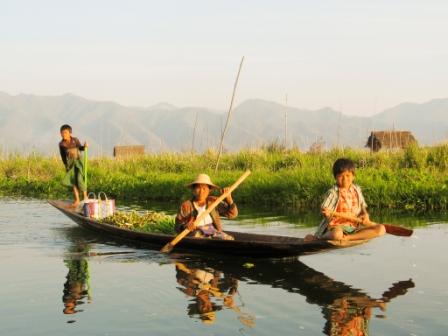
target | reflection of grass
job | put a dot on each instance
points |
(413, 179)
(410, 219)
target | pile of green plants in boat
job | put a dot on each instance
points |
(150, 221)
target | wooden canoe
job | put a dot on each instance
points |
(245, 244)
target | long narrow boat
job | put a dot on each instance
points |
(245, 244)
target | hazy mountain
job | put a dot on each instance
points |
(29, 122)
(428, 121)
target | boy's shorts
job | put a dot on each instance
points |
(209, 231)
(347, 229)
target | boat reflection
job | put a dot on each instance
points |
(77, 285)
(213, 284)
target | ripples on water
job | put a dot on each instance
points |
(62, 279)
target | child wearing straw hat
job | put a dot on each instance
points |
(210, 226)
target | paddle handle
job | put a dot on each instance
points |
(391, 229)
(347, 217)
(168, 247)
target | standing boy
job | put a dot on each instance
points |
(346, 198)
(69, 148)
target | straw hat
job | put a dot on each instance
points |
(203, 179)
(203, 276)
(208, 318)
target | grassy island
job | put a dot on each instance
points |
(411, 179)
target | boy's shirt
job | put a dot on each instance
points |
(352, 202)
(348, 203)
(70, 150)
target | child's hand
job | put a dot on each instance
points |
(326, 212)
(365, 219)
(86, 144)
(190, 225)
(229, 198)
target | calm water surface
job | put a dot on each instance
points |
(58, 279)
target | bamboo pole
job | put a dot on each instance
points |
(286, 121)
(194, 132)
(223, 133)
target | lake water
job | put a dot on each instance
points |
(59, 279)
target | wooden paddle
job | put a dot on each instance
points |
(168, 247)
(391, 229)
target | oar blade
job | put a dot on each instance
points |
(398, 230)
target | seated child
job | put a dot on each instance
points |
(210, 226)
(69, 148)
(346, 197)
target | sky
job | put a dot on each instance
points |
(356, 56)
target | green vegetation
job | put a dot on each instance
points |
(411, 179)
(151, 221)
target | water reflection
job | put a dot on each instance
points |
(350, 314)
(212, 286)
(211, 291)
(77, 289)
(347, 310)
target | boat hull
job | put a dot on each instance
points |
(245, 244)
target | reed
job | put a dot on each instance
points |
(412, 179)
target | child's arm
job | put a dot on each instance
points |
(330, 202)
(227, 208)
(78, 144)
(184, 218)
(364, 215)
(63, 153)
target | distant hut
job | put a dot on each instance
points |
(390, 140)
(317, 146)
(128, 151)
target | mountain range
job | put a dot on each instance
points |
(31, 123)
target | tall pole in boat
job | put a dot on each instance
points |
(338, 131)
(286, 121)
(194, 132)
(223, 133)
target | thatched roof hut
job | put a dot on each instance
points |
(390, 140)
(128, 151)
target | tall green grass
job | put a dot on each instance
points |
(411, 179)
